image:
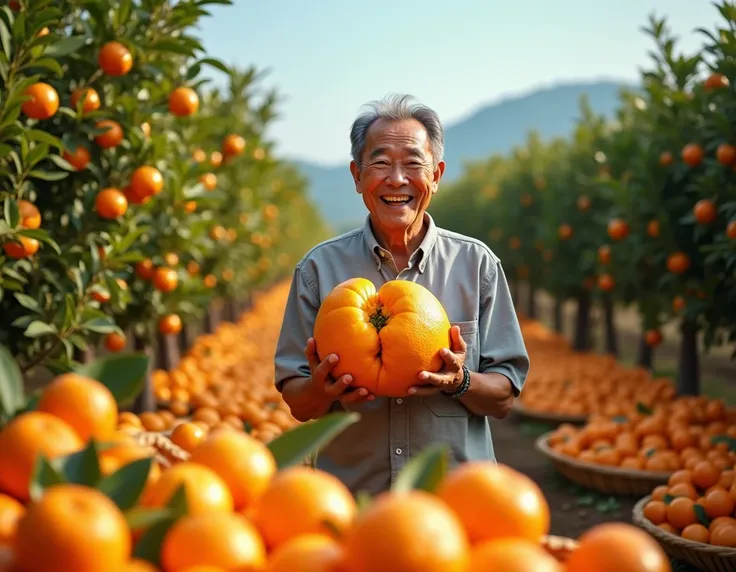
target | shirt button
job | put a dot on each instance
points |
(398, 451)
(399, 401)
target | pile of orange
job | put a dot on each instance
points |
(567, 382)
(698, 503)
(669, 437)
(243, 514)
(225, 380)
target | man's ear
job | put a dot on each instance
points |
(355, 172)
(437, 175)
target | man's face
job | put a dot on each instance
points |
(398, 176)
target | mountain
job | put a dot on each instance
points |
(495, 128)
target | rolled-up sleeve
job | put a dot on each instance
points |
(297, 326)
(502, 348)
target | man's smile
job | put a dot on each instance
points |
(397, 200)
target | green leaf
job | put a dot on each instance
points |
(44, 137)
(81, 467)
(643, 409)
(48, 175)
(12, 214)
(44, 475)
(48, 63)
(215, 64)
(5, 39)
(149, 546)
(37, 328)
(701, 515)
(139, 518)
(124, 375)
(297, 444)
(11, 384)
(100, 325)
(66, 46)
(125, 485)
(425, 471)
(28, 302)
(363, 500)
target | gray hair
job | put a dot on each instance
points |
(396, 107)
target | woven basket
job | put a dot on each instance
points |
(610, 480)
(547, 416)
(700, 555)
(167, 452)
(560, 547)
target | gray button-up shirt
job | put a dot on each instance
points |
(467, 278)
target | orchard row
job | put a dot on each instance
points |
(136, 189)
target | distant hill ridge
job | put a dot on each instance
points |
(495, 128)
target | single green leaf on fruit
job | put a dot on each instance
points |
(292, 447)
(124, 375)
(139, 518)
(11, 385)
(149, 546)
(81, 467)
(44, 475)
(125, 485)
(701, 515)
(425, 471)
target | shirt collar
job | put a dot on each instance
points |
(420, 256)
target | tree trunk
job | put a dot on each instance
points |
(531, 301)
(688, 367)
(557, 317)
(646, 353)
(211, 318)
(167, 351)
(232, 311)
(581, 342)
(183, 338)
(610, 327)
(145, 400)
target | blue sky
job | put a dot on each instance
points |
(328, 57)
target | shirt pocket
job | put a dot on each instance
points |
(442, 405)
(469, 333)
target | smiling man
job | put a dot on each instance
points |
(397, 148)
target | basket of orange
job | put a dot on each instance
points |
(631, 455)
(559, 547)
(692, 516)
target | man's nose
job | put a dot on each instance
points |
(396, 176)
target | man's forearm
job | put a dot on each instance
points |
(304, 404)
(490, 394)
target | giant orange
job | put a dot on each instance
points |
(384, 338)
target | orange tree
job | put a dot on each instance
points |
(642, 210)
(106, 212)
(688, 168)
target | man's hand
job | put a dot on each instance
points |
(323, 387)
(450, 377)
